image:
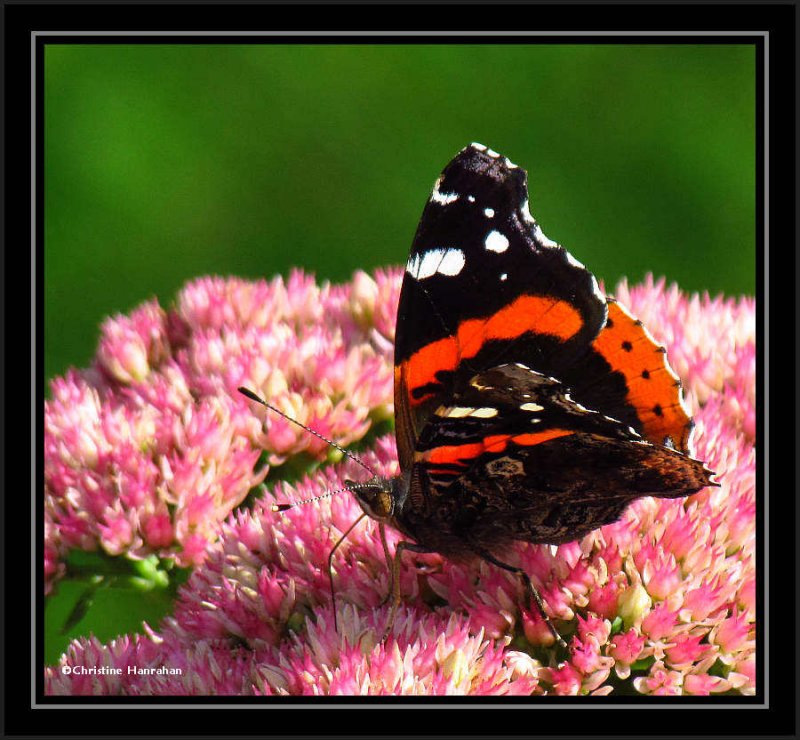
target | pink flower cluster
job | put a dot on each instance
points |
(152, 447)
(661, 602)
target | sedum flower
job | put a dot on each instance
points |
(634, 605)
(565, 680)
(151, 451)
(150, 448)
(625, 648)
(660, 681)
(423, 656)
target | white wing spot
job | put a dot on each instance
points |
(531, 407)
(484, 413)
(471, 198)
(443, 198)
(488, 212)
(447, 262)
(504, 276)
(496, 242)
(452, 263)
(459, 412)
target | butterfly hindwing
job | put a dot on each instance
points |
(652, 396)
(514, 457)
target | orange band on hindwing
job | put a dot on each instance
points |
(653, 387)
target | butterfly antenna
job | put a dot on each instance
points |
(327, 494)
(253, 397)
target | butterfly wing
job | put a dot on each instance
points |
(514, 457)
(484, 286)
(650, 396)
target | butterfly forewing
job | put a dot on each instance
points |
(483, 286)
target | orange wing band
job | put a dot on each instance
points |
(463, 455)
(653, 388)
(538, 314)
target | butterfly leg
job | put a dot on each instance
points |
(389, 564)
(330, 568)
(530, 591)
(395, 575)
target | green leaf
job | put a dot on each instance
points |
(643, 664)
(82, 605)
(108, 596)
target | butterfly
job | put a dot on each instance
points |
(529, 406)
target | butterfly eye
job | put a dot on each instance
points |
(375, 498)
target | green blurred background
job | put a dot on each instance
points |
(167, 162)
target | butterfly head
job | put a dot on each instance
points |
(380, 498)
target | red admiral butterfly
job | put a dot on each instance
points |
(528, 405)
